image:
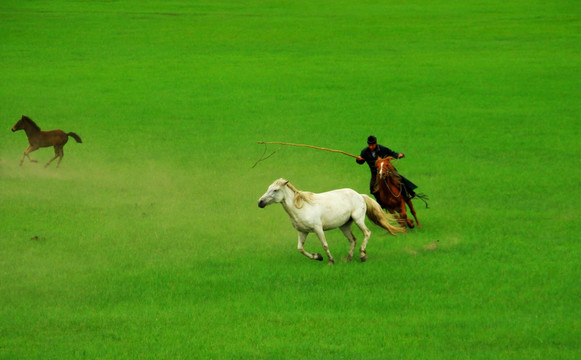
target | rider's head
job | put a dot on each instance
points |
(372, 142)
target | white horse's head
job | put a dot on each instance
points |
(274, 194)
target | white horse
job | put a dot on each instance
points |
(317, 213)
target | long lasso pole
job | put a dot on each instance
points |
(309, 146)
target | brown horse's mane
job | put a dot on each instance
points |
(29, 120)
(393, 175)
(300, 196)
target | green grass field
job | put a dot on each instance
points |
(148, 242)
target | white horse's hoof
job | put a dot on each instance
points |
(318, 257)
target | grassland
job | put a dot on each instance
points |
(147, 243)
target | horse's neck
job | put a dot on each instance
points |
(30, 130)
(288, 203)
(389, 180)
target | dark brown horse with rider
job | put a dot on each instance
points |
(393, 195)
(38, 138)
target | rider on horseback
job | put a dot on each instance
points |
(370, 155)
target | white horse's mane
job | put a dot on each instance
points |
(300, 196)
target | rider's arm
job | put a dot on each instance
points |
(360, 160)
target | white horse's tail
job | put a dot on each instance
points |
(380, 218)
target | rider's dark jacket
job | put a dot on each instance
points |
(370, 157)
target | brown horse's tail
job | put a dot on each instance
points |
(75, 136)
(380, 218)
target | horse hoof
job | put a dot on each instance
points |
(318, 257)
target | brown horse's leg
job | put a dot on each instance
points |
(411, 206)
(28, 150)
(404, 216)
(56, 154)
(61, 154)
(397, 216)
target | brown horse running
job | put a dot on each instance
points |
(38, 139)
(392, 193)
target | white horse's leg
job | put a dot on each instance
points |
(366, 235)
(352, 241)
(321, 234)
(302, 238)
